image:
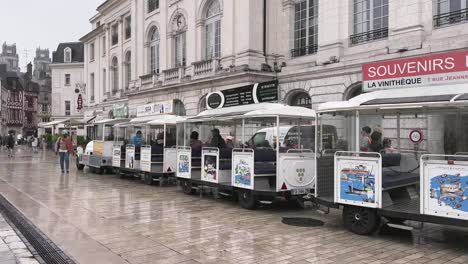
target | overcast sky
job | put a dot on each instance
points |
(44, 23)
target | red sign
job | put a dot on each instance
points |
(419, 71)
(416, 136)
(79, 103)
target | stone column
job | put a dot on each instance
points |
(406, 24)
(333, 28)
(122, 55)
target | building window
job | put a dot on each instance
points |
(104, 46)
(213, 31)
(451, 12)
(67, 79)
(128, 69)
(91, 52)
(91, 87)
(153, 43)
(128, 27)
(301, 99)
(67, 108)
(67, 55)
(179, 30)
(153, 5)
(370, 20)
(115, 75)
(104, 76)
(115, 34)
(305, 28)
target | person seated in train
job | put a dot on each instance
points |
(170, 140)
(231, 142)
(217, 141)
(388, 148)
(195, 143)
(376, 142)
(137, 141)
(158, 144)
(365, 139)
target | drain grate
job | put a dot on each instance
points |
(42, 248)
(302, 221)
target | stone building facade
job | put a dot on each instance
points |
(150, 51)
(67, 80)
(18, 104)
(41, 76)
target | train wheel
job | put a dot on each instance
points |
(360, 220)
(187, 187)
(147, 179)
(247, 199)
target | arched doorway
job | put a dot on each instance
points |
(202, 105)
(302, 99)
(352, 91)
(179, 108)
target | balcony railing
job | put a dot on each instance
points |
(205, 68)
(453, 17)
(148, 81)
(302, 51)
(173, 75)
(369, 36)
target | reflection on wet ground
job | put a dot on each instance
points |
(105, 219)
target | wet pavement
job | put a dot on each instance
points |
(105, 219)
(12, 248)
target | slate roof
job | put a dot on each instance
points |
(77, 52)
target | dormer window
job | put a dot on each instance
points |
(67, 55)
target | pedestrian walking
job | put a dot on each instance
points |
(34, 144)
(64, 148)
(44, 144)
(11, 145)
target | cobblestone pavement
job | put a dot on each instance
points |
(12, 249)
(105, 219)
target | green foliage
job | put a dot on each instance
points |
(81, 141)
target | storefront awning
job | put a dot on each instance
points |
(167, 120)
(409, 97)
(234, 111)
(54, 123)
(144, 119)
(111, 121)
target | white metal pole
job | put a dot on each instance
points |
(164, 135)
(398, 131)
(315, 154)
(243, 133)
(358, 130)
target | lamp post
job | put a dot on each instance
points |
(277, 68)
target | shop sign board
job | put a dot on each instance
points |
(445, 189)
(184, 160)
(120, 110)
(166, 107)
(145, 161)
(436, 69)
(358, 181)
(243, 170)
(245, 95)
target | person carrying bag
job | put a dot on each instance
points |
(64, 148)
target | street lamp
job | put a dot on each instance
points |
(278, 67)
